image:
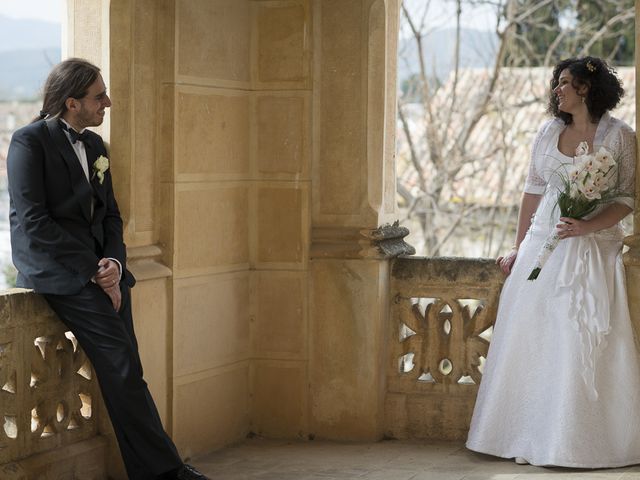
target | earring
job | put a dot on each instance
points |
(582, 99)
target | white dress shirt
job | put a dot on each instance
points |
(81, 153)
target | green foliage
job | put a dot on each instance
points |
(411, 87)
(533, 34)
(619, 45)
(575, 207)
(567, 28)
(534, 273)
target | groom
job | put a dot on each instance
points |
(67, 244)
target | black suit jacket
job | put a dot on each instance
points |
(56, 242)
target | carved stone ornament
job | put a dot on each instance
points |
(386, 241)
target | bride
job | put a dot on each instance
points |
(561, 384)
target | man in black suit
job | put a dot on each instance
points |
(67, 244)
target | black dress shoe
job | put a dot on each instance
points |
(187, 472)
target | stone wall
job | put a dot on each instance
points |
(206, 188)
(281, 59)
(227, 117)
(353, 191)
(632, 256)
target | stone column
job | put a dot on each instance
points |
(206, 188)
(353, 193)
(281, 61)
(632, 257)
(124, 39)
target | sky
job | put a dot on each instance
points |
(48, 10)
(441, 14)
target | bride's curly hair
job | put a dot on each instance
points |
(604, 87)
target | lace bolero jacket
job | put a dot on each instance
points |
(612, 133)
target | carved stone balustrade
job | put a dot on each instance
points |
(442, 314)
(48, 396)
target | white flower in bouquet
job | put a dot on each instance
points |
(590, 191)
(590, 165)
(583, 175)
(573, 173)
(605, 158)
(600, 181)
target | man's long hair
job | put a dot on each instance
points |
(68, 79)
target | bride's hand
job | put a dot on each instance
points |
(571, 227)
(506, 262)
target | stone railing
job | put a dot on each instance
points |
(48, 396)
(442, 313)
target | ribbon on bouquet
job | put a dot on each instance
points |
(583, 273)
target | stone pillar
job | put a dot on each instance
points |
(353, 191)
(120, 37)
(206, 196)
(632, 257)
(281, 64)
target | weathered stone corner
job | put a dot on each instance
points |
(386, 241)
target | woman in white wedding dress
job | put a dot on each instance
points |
(561, 383)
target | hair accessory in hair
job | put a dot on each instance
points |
(590, 66)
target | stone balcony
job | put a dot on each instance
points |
(442, 312)
(439, 327)
(441, 317)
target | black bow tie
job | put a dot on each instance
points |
(75, 136)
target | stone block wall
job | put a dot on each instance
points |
(282, 138)
(251, 141)
(208, 176)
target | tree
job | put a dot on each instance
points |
(563, 28)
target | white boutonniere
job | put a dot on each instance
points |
(100, 166)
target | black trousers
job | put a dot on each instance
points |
(108, 339)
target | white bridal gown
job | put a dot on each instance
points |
(561, 383)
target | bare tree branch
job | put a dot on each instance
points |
(626, 15)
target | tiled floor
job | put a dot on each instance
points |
(389, 460)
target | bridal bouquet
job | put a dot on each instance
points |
(590, 181)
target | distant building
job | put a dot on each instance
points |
(13, 115)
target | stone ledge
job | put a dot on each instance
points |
(84, 460)
(145, 263)
(448, 270)
(632, 256)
